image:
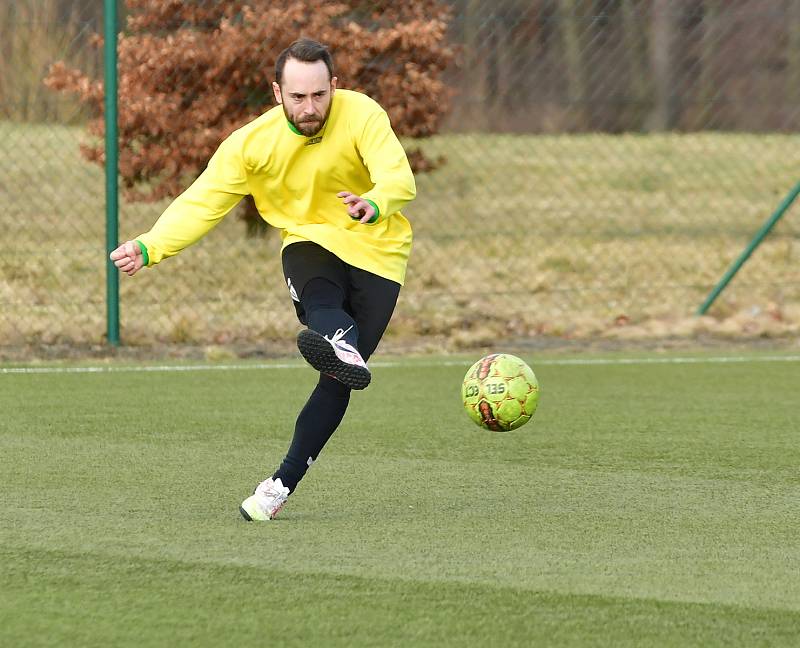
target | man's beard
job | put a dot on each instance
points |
(310, 128)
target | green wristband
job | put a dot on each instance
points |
(143, 248)
(377, 211)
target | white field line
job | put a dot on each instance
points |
(392, 364)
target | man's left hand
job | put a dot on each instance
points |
(358, 208)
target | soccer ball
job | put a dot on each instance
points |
(500, 392)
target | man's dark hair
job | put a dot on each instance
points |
(305, 50)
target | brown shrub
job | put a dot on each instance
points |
(191, 73)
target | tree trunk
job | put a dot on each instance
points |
(491, 56)
(255, 226)
(793, 62)
(636, 46)
(576, 80)
(707, 82)
(474, 92)
(665, 113)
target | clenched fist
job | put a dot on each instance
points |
(128, 258)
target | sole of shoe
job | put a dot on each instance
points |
(319, 353)
(245, 515)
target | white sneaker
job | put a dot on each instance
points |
(334, 357)
(266, 502)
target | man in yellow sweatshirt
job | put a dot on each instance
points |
(325, 168)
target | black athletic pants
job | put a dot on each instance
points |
(330, 295)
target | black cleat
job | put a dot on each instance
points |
(334, 357)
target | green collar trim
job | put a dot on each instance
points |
(294, 128)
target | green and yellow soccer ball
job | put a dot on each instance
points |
(500, 392)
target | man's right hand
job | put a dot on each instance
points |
(128, 258)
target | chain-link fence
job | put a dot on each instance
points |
(601, 165)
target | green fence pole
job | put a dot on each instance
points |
(765, 229)
(112, 168)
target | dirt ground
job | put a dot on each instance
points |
(755, 331)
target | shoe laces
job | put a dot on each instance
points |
(336, 337)
(352, 356)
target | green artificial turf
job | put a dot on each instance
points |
(645, 504)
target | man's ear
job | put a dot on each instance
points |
(333, 84)
(276, 90)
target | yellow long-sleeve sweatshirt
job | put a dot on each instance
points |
(294, 180)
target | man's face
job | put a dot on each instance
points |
(305, 93)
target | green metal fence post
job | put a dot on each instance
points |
(765, 229)
(112, 164)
